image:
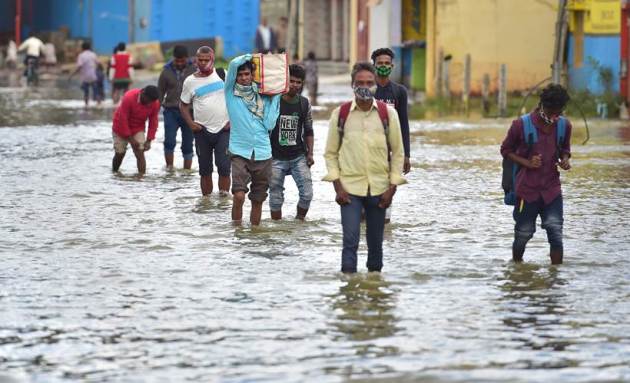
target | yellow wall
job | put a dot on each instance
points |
(519, 33)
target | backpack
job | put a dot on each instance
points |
(344, 111)
(511, 169)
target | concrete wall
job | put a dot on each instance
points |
(515, 32)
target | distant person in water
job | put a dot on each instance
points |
(170, 86)
(312, 78)
(121, 71)
(87, 63)
(137, 106)
(539, 154)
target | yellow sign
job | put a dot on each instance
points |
(602, 17)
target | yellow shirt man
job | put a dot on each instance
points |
(361, 163)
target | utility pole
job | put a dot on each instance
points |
(558, 48)
(18, 22)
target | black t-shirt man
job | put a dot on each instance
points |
(395, 95)
(294, 124)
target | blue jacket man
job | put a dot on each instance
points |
(252, 117)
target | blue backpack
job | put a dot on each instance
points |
(510, 168)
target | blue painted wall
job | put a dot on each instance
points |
(106, 22)
(603, 48)
(234, 21)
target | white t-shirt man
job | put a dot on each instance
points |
(33, 46)
(207, 96)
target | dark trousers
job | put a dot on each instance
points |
(351, 223)
(552, 219)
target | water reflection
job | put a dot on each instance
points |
(533, 307)
(364, 308)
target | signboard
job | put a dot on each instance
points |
(601, 17)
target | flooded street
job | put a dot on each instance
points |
(113, 278)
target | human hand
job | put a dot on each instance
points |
(195, 127)
(386, 198)
(407, 165)
(147, 145)
(565, 163)
(309, 160)
(227, 126)
(535, 162)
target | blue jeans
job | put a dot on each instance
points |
(173, 120)
(351, 224)
(525, 227)
(301, 175)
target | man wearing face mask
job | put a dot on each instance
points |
(211, 126)
(539, 154)
(253, 116)
(170, 87)
(361, 135)
(394, 95)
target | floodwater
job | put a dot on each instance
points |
(109, 277)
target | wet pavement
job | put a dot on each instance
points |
(115, 278)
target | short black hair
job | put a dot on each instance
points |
(554, 97)
(151, 92)
(381, 52)
(180, 52)
(221, 73)
(247, 65)
(86, 45)
(311, 55)
(362, 65)
(296, 70)
(121, 47)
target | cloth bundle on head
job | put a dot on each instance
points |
(251, 97)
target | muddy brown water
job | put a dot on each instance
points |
(114, 278)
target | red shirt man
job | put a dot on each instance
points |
(136, 107)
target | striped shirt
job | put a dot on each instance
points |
(208, 99)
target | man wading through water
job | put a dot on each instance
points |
(394, 95)
(537, 185)
(292, 147)
(137, 106)
(170, 87)
(252, 117)
(211, 127)
(361, 134)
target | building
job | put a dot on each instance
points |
(594, 45)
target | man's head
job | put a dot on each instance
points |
(86, 46)
(149, 94)
(363, 81)
(553, 100)
(205, 60)
(263, 21)
(121, 47)
(383, 60)
(296, 79)
(245, 74)
(311, 55)
(180, 56)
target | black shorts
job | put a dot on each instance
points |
(206, 144)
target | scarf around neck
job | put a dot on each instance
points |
(251, 97)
